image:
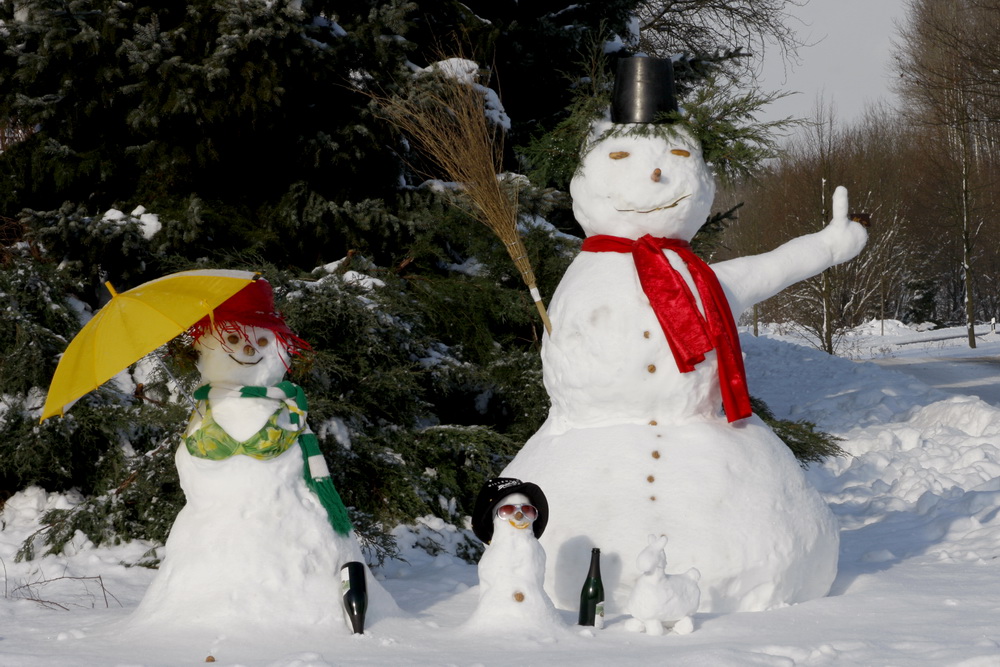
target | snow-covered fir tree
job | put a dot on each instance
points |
(244, 132)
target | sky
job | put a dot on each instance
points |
(847, 60)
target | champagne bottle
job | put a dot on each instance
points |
(592, 595)
(355, 592)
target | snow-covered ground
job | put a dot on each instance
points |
(918, 500)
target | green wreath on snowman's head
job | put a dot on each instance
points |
(722, 122)
(669, 126)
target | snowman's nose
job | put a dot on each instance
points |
(656, 175)
(249, 350)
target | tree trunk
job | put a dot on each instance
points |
(824, 289)
(970, 306)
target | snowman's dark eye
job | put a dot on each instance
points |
(261, 342)
(618, 155)
(681, 152)
(233, 339)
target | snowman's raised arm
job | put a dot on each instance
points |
(749, 280)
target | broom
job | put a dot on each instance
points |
(448, 123)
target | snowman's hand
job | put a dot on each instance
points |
(843, 237)
(840, 203)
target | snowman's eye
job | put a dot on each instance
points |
(618, 155)
(233, 339)
(681, 152)
(262, 342)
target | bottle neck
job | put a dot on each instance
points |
(595, 564)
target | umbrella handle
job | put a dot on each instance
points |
(189, 397)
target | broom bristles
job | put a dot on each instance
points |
(449, 125)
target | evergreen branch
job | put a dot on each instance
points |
(808, 444)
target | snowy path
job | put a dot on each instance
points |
(968, 376)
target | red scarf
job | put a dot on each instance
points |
(689, 333)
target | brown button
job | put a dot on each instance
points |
(650, 479)
(652, 422)
(645, 334)
(656, 454)
(651, 368)
(518, 596)
(652, 497)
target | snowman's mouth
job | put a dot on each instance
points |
(652, 210)
(518, 524)
(246, 363)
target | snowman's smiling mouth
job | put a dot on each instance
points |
(658, 208)
(246, 363)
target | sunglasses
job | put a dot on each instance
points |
(529, 512)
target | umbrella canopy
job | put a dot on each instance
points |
(133, 324)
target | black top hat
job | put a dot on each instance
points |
(644, 88)
(495, 490)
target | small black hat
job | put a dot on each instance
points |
(495, 490)
(644, 88)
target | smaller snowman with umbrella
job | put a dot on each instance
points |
(263, 536)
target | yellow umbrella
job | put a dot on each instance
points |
(133, 324)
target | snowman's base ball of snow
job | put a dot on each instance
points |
(731, 499)
(252, 549)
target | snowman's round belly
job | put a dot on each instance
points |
(730, 498)
(252, 547)
(608, 361)
(630, 387)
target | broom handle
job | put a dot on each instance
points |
(519, 254)
(540, 305)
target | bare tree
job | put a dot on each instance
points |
(949, 67)
(713, 27)
(792, 197)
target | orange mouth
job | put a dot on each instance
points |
(518, 524)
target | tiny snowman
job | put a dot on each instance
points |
(650, 429)
(509, 517)
(658, 598)
(263, 536)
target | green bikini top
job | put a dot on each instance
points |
(211, 441)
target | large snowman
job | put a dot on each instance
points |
(259, 545)
(642, 357)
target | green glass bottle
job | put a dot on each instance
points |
(592, 595)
